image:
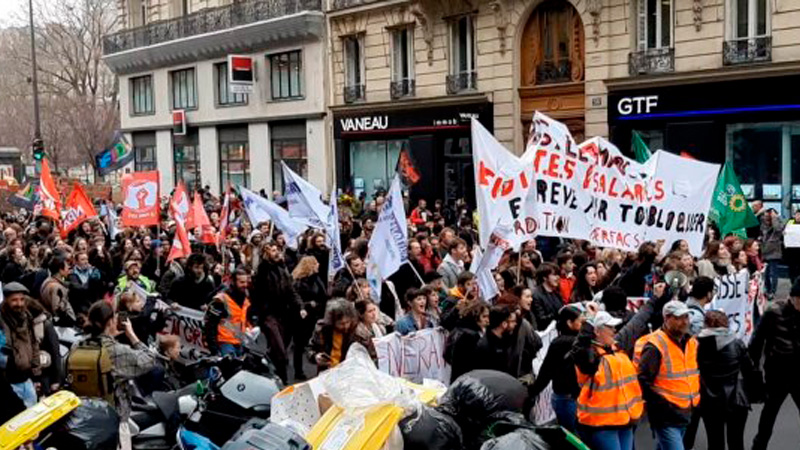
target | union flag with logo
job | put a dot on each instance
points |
(77, 210)
(141, 200)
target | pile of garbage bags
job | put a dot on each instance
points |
(372, 410)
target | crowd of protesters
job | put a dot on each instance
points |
(672, 357)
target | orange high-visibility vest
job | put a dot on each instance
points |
(678, 379)
(236, 321)
(612, 397)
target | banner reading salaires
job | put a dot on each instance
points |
(590, 190)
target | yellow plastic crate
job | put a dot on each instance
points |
(27, 425)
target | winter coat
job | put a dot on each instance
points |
(341, 281)
(190, 293)
(459, 349)
(21, 347)
(777, 337)
(545, 306)
(725, 370)
(322, 342)
(449, 269)
(274, 293)
(525, 344)
(55, 299)
(311, 290)
(772, 239)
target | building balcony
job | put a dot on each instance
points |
(240, 27)
(460, 82)
(354, 93)
(402, 88)
(344, 4)
(747, 51)
(652, 61)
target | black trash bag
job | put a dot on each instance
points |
(522, 439)
(430, 430)
(501, 423)
(475, 396)
(94, 425)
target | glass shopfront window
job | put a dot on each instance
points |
(373, 164)
(186, 154)
(766, 158)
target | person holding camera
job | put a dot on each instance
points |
(128, 362)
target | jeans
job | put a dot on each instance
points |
(26, 392)
(566, 409)
(616, 439)
(777, 390)
(230, 349)
(771, 274)
(721, 423)
(669, 438)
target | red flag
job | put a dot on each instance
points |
(180, 243)
(224, 217)
(181, 208)
(201, 220)
(141, 205)
(48, 194)
(77, 210)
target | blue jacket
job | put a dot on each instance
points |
(406, 324)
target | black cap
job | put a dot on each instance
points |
(14, 288)
(430, 277)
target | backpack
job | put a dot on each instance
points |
(89, 370)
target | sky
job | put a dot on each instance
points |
(7, 7)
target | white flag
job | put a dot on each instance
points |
(388, 247)
(304, 199)
(260, 210)
(113, 231)
(484, 263)
(335, 260)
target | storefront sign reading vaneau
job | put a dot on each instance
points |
(367, 123)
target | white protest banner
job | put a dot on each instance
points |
(388, 247)
(259, 210)
(333, 236)
(187, 324)
(304, 199)
(543, 411)
(415, 356)
(733, 297)
(589, 191)
(791, 236)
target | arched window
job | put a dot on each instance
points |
(552, 45)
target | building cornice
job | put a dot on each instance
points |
(765, 70)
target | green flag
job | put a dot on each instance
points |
(729, 207)
(641, 153)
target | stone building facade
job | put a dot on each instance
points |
(711, 78)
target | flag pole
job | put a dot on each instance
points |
(519, 265)
(422, 282)
(358, 288)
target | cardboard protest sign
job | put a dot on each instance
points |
(735, 299)
(187, 324)
(589, 191)
(415, 356)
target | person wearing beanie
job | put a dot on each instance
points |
(777, 339)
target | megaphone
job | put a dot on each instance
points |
(677, 280)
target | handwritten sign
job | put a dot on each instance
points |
(415, 356)
(589, 191)
(187, 324)
(734, 297)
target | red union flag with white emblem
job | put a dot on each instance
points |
(181, 208)
(77, 210)
(49, 198)
(141, 204)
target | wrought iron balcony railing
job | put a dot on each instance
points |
(460, 82)
(355, 93)
(650, 61)
(402, 88)
(342, 4)
(747, 50)
(205, 21)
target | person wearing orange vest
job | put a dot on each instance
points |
(228, 317)
(666, 361)
(610, 401)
